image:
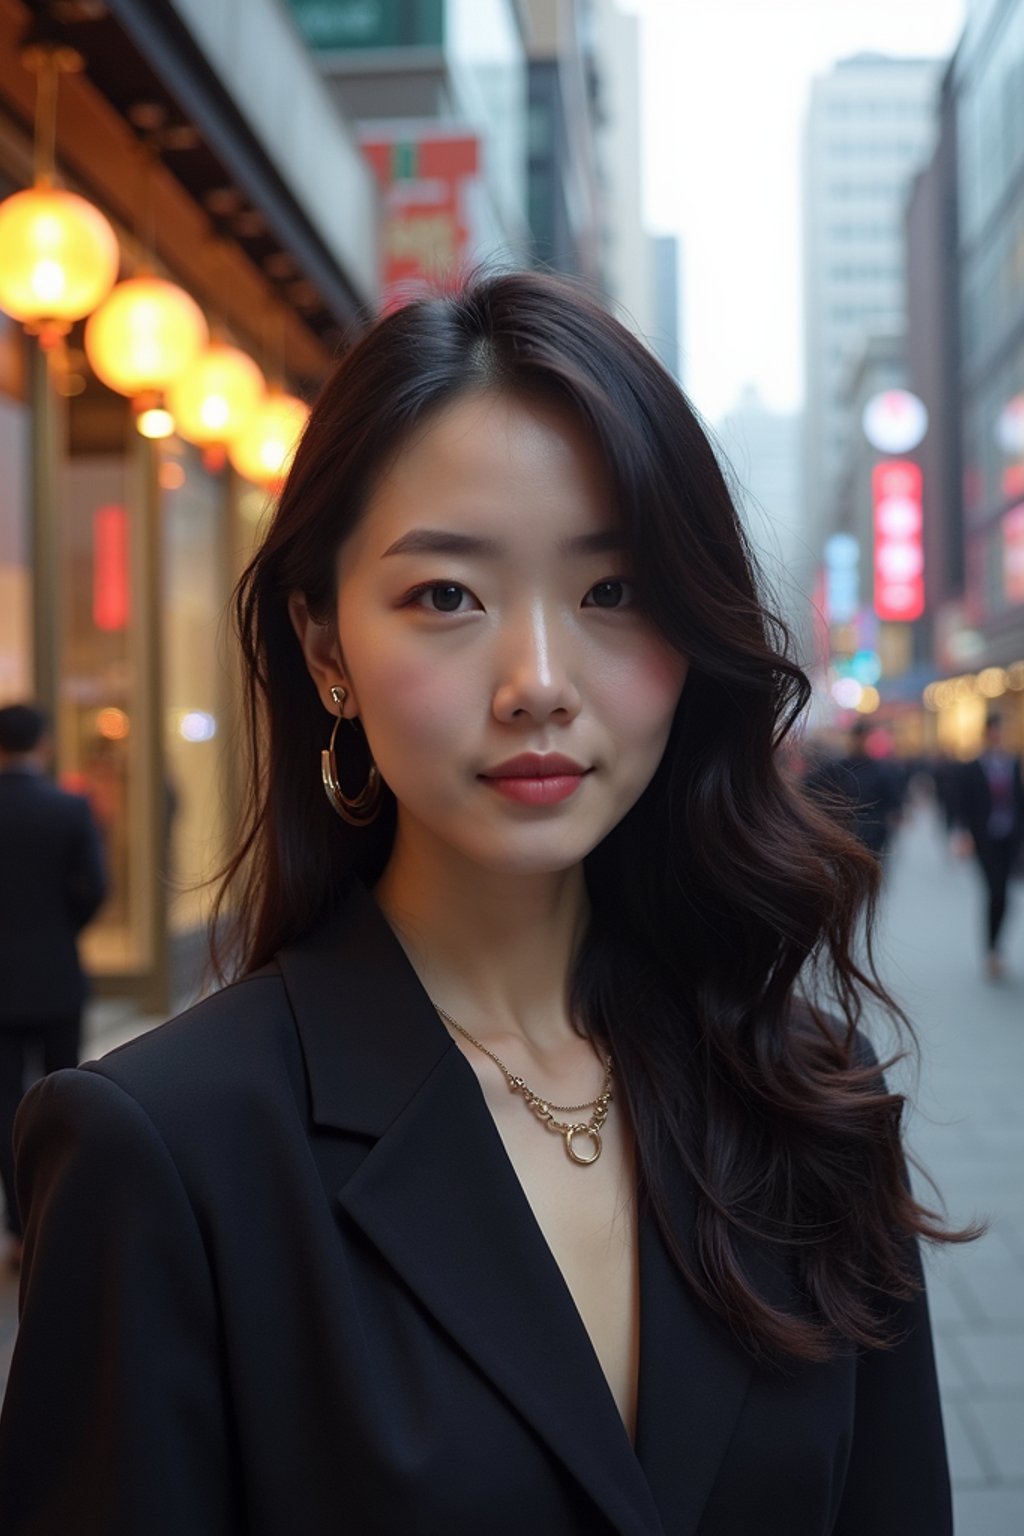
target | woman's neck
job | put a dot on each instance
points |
(495, 950)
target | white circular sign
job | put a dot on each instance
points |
(895, 421)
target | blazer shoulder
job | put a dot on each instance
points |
(234, 1045)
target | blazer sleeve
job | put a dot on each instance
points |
(897, 1480)
(87, 874)
(114, 1420)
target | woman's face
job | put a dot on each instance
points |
(485, 611)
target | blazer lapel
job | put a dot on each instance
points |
(438, 1197)
(440, 1200)
(694, 1379)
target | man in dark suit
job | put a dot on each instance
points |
(991, 813)
(52, 881)
(868, 789)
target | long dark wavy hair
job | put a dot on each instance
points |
(724, 906)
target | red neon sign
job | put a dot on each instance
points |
(110, 568)
(899, 549)
(1013, 555)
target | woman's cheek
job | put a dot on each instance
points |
(644, 689)
(416, 704)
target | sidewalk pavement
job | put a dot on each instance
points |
(967, 1128)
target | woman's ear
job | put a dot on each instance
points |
(320, 648)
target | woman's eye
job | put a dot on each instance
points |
(611, 594)
(442, 597)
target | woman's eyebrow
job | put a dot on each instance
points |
(440, 541)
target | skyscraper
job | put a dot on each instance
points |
(761, 448)
(870, 127)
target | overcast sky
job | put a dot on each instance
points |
(725, 87)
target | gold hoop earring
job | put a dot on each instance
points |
(364, 808)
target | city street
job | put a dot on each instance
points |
(969, 1132)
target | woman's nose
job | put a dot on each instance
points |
(535, 674)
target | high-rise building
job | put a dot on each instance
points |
(563, 187)
(933, 374)
(870, 127)
(965, 232)
(762, 453)
(614, 45)
(666, 337)
(990, 141)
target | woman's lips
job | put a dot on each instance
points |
(536, 788)
(538, 791)
(535, 765)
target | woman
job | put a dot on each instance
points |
(512, 1188)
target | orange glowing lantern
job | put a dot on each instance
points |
(58, 259)
(213, 399)
(146, 333)
(263, 450)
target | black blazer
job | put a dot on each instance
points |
(974, 801)
(281, 1279)
(52, 881)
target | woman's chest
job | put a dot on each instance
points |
(588, 1217)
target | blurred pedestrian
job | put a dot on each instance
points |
(866, 791)
(990, 814)
(52, 881)
(945, 777)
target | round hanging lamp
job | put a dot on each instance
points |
(263, 450)
(146, 333)
(213, 399)
(58, 259)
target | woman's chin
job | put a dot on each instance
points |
(548, 856)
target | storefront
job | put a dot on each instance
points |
(118, 552)
(990, 147)
(959, 706)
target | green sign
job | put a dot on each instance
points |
(332, 24)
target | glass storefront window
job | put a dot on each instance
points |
(102, 708)
(16, 681)
(199, 682)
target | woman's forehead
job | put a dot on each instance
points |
(494, 463)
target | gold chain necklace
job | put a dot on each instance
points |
(543, 1108)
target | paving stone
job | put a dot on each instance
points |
(991, 1359)
(956, 1377)
(997, 1288)
(988, 1511)
(1001, 1423)
(1007, 1241)
(1012, 1232)
(965, 1447)
(945, 1304)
